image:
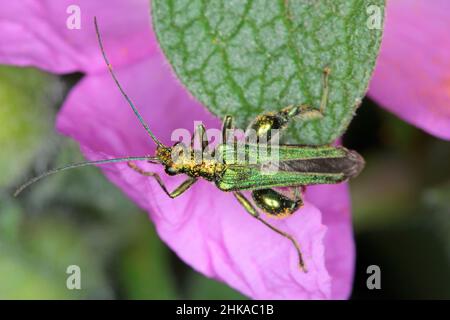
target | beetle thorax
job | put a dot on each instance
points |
(192, 163)
(205, 168)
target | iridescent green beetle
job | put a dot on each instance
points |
(297, 166)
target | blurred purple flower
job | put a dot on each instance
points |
(205, 227)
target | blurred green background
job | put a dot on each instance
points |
(401, 211)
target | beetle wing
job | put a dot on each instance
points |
(236, 177)
(313, 165)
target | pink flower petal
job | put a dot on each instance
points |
(412, 77)
(205, 227)
(334, 203)
(34, 33)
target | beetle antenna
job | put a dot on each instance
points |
(82, 164)
(135, 110)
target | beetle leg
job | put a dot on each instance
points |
(297, 192)
(227, 125)
(326, 90)
(202, 139)
(268, 121)
(175, 193)
(200, 134)
(252, 210)
(306, 112)
(276, 204)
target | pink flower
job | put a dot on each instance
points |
(412, 77)
(205, 227)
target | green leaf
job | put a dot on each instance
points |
(245, 57)
(26, 119)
